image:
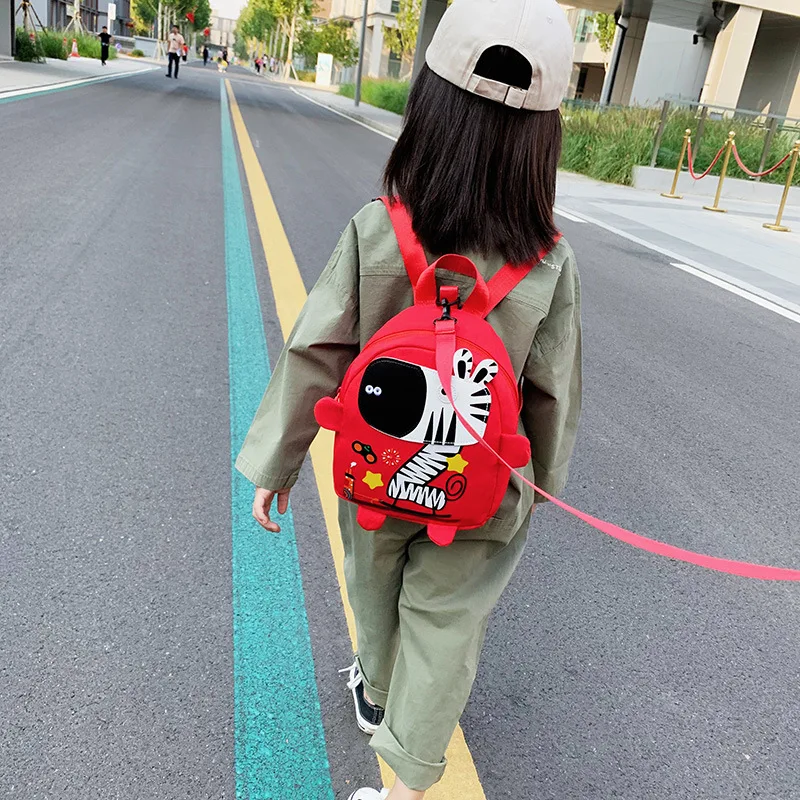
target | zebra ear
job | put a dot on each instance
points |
(462, 363)
(485, 371)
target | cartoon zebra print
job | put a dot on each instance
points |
(411, 481)
(444, 433)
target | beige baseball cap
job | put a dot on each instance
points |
(537, 29)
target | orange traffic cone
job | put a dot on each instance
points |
(74, 53)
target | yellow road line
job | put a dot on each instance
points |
(461, 780)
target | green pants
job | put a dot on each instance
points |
(421, 612)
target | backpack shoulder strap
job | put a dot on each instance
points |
(416, 262)
(508, 277)
(410, 248)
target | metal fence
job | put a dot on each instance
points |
(768, 125)
(697, 116)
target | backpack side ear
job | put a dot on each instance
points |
(369, 519)
(328, 413)
(515, 449)
(442, 535)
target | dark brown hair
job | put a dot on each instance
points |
(476, 175)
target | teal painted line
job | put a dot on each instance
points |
(58, 88)
(280, 744)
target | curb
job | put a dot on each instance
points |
(297, 84)
(379, 127)
(370, 123)
(60, 86)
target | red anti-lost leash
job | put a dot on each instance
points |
(445, 350)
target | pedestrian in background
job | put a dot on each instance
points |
(105, 41)
(498, 70)
(205, 55)
(175, 45)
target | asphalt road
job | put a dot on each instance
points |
(608, 673)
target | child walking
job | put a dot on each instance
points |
(474, 171)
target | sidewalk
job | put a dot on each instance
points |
(733, 247)
(18, 75)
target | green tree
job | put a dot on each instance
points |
(200, 8)
(334, 37)
(202, 14)
(143, 14)
(261, 17)
(240, 48)
(605, 28)
(257, 21)
(291, 15)
(403, 39)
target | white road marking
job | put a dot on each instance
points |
(730, 284)
(729, 287)
(69, 84)
(347, 117)
(568, 215)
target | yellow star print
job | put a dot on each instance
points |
(457, 464)
(373, 479)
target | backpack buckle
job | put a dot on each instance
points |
(447, 297)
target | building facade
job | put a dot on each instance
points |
(94, 15)
(322, 10)
(379, 61)
(6, 26)
(123, 24)
(729, 55)
(223, 31)
(589, 61)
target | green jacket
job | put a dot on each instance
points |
(362, 287)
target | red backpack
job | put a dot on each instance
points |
(426, 417)
(417, 401)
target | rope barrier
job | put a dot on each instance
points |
(712, 165)
(757, 174)
(727, 148)
(738, 161)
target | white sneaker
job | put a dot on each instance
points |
(368, 716)
(370, 794)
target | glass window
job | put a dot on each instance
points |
(395, 6)
(395, 63)
(581, 86)
(584, 29)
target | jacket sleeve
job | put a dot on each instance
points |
(552, 385)
(321, 347)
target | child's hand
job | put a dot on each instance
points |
(262, 504)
